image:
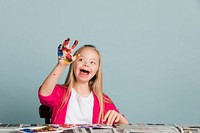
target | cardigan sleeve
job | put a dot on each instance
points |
(54, 98)
(109, 105)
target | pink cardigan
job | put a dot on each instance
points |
(54, 101)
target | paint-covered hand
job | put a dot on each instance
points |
(65, 53)
(112, 117)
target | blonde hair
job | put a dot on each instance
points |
(95, 83)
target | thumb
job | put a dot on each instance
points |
(76, 57)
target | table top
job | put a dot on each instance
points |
(99, 128)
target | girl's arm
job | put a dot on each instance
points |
(52, 79)
(65, 58)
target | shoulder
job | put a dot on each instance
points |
(107, 99)
(61, 88)
(109, 105)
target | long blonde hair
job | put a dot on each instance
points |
(95, 83)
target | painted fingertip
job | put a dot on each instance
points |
(67, 40)
(66, 62)
(75, 43)
(78, 55)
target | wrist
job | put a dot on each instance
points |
(61, 65)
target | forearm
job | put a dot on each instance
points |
(52, 79)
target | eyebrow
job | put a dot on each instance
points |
(90, 58)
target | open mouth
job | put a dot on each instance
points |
(83, 71)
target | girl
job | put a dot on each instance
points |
(81, 99)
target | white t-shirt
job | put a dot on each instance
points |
(80, 109)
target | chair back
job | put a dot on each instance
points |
(46, 113)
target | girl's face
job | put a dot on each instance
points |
(87, 65)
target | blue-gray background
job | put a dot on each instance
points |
(150, 51)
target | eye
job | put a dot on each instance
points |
(93, 62)
(80, 59)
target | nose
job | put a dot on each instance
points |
(86, 64)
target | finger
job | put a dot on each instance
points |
(106, 115)
(74, 45)
(60, 53)
(115, 116)
(69, 57)
(118, 118)
(75, 57)
(111, 118)
(68, 60)
(66, 43)
(60, 47)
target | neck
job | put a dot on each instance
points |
(82, 89)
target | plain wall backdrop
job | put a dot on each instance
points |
(150, 51)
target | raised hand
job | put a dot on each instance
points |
(65, 53)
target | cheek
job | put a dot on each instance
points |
(76, 69)
(95, 69)
(76, 65)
